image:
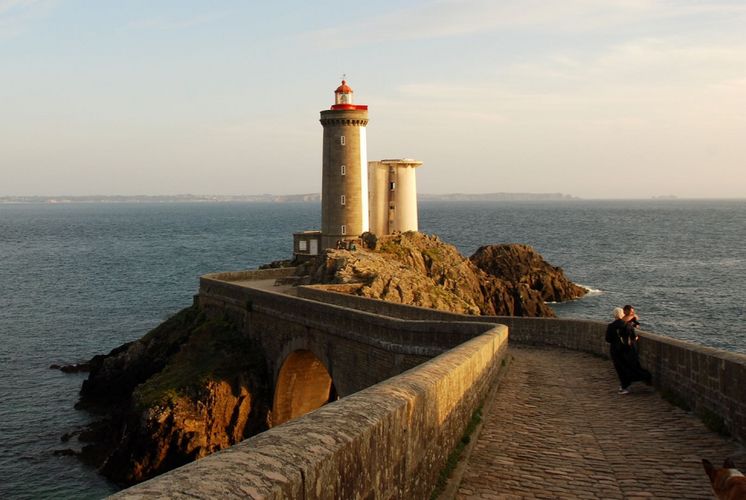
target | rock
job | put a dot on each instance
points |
(190, 387)
(521, 264)
(195, 385)
(276, 264)
(114, 376)
(71, 368)
(185, 428)
(410, 268)
(76, 368)
(67, 452)
(417, 269)
(69, 435)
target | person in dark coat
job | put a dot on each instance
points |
(631, 318)
(621, 337)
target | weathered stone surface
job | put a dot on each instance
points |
(397, 428)
(187, 389)
(387, 441)
(417, 269)
(521, 264)
(183, 429)
(572, 442)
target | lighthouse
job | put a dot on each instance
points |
(357, 196)
(344, 182)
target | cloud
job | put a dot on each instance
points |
(648, 63)
(650, 87)
(163, 24)
(650, 106)
(450, 18)
(16, 15)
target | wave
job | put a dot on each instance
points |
(591, 291)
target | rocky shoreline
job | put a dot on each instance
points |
(194, 385)
(190, 387)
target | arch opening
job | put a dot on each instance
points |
(303, 385)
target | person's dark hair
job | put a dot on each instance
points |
(627, 308)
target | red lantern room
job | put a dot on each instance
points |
(343, 98)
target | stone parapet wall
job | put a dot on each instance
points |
(709, 381)
(358, 348)
(429, 336)
(252, 274)
(387, 441)
(391, 439)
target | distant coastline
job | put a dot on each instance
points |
(301, 198)
(178, 198)
(496, 197)
(268, 198)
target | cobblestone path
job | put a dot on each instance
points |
(558, 429)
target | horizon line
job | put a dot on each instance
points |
(556, 196)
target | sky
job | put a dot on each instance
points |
(592, 98)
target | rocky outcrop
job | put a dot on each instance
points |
(114, 376)
(184, 428)
(188, 388)
(521, 264)
(418, 269)
(411, 269)
(193, 386)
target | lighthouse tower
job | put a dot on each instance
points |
(344, 184)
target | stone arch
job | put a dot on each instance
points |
(303, 384)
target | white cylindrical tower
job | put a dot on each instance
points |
(393, 195)
(405, 196)
(344, 185)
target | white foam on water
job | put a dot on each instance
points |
(591, 291)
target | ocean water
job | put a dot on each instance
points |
(81, 279)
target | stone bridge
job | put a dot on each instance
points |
(317, 352)
(409, 380)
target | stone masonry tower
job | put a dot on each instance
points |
(344, 183)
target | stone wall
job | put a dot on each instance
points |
(709, 381)
(358, 348)
(251, 274)
(391, 440)
(386, 441)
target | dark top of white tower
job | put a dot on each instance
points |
(343, 98)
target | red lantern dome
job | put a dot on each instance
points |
(343, 89)
(343, 98)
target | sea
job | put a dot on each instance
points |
(80, 279)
